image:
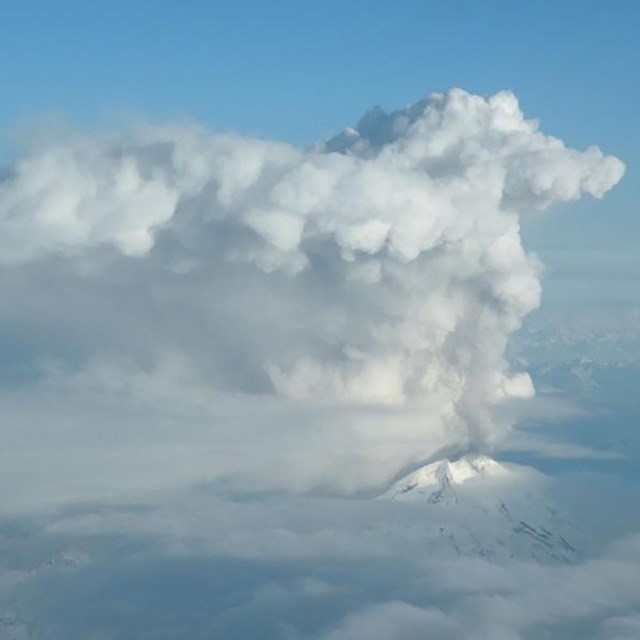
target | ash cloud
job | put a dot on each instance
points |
(315, 319)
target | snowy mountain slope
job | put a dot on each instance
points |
(479, 506)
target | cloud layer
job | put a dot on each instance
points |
(312, 569)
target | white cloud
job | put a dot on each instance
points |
(351, 302)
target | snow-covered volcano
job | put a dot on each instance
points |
(479, 506)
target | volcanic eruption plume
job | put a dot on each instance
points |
(354, 298)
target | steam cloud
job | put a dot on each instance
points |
(367, 286)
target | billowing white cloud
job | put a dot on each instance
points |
(367, 286)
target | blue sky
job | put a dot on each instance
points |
(299, 71)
